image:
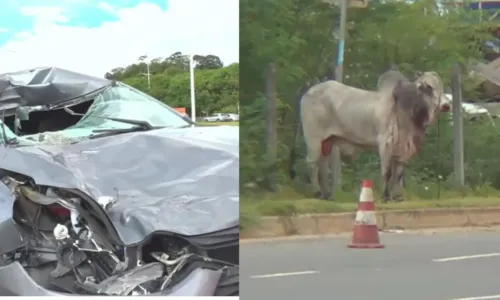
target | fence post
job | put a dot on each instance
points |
(272, 134)
(458, 137)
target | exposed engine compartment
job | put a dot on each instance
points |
(66, 248)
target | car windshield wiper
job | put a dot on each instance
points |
(115, 131)
(139, 124)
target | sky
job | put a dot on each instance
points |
(94, 37)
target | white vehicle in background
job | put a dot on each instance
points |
(232, 117)
(472, 110)
(214, 118)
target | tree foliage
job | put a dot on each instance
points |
(300, 37)
(216, 86)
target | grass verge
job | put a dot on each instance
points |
(252, 209)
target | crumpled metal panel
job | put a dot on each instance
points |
(184, 181)
(46, 86)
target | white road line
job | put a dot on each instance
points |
(481, 298)
(465, 257)
(284, 274)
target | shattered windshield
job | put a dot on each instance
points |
(120, 101)
(126, 102)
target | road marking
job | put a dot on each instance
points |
(284, 274)
(465, 257)
(481, 298)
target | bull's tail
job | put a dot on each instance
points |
(298, 131)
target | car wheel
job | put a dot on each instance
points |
(229, 282)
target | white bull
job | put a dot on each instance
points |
(391, 120)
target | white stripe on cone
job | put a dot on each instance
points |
(366, 195)
(365, 218)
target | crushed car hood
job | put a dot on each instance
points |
(184, 181)
(46, 86)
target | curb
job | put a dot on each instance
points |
(325, 224)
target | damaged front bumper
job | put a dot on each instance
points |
(15, 281)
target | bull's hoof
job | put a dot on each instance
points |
(386, 199)
(318, 195)
(327, 196)
(398, 199)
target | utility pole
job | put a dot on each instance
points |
(458, 135)
(143, 58)
(191, 77)
(272, 134)
(149, 75)
(339, 74)
(339, 69)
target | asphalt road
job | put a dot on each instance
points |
(441, 266)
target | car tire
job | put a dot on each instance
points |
(229, 282)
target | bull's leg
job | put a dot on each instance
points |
(397, 174)
(386, 172)
(387, 194)
(324, 166)
(335, 158)
(313, 157)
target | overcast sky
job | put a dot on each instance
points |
(94, 37)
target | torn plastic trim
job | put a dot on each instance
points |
(101, 214)
(87, 208)
(52, 198)
(125, 283)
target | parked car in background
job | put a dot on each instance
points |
(214, 118)
(232, 117)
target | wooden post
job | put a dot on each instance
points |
(458, 137)
(272, 134)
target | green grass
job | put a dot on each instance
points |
(311, 206)
(236, 123)
(288, 203)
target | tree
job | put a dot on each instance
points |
(208, 62)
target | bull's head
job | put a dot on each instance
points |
(437, 101)
(413, 99)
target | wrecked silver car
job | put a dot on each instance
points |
(107, 191)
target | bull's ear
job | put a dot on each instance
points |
(424, 88)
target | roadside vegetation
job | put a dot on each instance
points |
(297, 35)
(216, 85)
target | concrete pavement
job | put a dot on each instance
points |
(413, 266)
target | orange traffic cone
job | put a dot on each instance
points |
(365, 233)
